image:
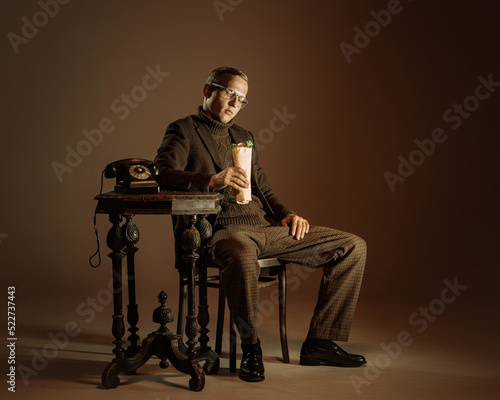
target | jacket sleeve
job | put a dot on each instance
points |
(173, 160)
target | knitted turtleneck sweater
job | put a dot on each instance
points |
(251, 213)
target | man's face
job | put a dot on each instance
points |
(224, 110)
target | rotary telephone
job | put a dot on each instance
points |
(133, 175)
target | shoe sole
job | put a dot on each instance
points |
(316, 362)
(249, 379)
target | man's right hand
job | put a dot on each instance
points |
(234, 177)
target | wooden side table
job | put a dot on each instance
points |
(122, 240)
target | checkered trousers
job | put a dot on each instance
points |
(342, 255)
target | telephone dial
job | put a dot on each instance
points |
(133, 175)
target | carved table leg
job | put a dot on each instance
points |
(191, 241)
(131, 235)
(203, 317)
(116, 243)
(205, 353)
(162, 344)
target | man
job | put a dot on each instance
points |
(196, 155)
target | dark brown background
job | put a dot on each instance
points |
(353, 120)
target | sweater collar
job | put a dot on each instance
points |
(215, 127)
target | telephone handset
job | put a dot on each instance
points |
(133, 175)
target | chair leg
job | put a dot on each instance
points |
(220, 321)
(232, 345)
(282, 315)
(181, 317)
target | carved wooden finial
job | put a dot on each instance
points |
(162, 314)
(130, 231)
(162, 297)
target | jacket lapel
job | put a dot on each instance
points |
(206, 137)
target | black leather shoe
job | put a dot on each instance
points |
(325, 352)
(252, 367)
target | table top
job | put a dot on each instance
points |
(164, 202)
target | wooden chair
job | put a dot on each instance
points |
(273, 272)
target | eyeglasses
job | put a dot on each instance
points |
(231, 94)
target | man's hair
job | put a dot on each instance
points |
(216, 75)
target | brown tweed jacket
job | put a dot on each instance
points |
(188, 157)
